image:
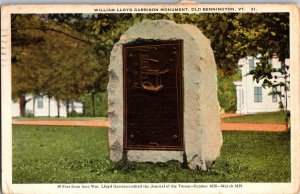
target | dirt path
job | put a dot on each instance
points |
(89, 123)
(229, 115)
(97, 123)
(252, 127)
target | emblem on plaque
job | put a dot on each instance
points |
(149, 72)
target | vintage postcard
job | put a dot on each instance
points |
(140, 98)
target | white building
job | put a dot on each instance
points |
(42, 106)
(251, 96)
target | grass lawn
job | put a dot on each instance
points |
(80, 155)
(270, 117)
(61, 118)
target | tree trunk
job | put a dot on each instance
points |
(58, 108)
(48, 106)
(33, 107)
(93, 100)
(22, 105)
(286, 97)
(67, 107)
(83, 109)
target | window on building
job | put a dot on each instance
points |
(257, 94)
(251, 64)
(274, 96)
(71, 103)
(40, 102)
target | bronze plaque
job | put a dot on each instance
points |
(153, 99)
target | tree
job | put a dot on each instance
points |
(227, 91)
(273, 41)
(232, 35)
(105, 30)
(26, 75)
(58, 64)
(100, 104)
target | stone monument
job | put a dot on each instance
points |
(162, 96)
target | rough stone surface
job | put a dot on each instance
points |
(202, 135)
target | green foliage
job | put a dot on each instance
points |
(80, 155)
(101, 105)
(73, 113)
(227, 91)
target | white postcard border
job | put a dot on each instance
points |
(6, 120)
